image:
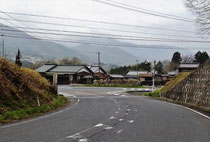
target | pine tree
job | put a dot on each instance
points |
(159, 67)
(177, 58)
(175, 61)
(18, 57)
(201, 57)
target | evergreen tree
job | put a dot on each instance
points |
(177, 58)
(145, 66)
(201, 57)
(159, 67)
(18, 57)
(175, 61)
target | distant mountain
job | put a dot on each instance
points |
(38, 49)
(129, 52)
(112, 55)
(154, 52)
(46, 49)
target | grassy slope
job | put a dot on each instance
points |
(19, 90)
(169, 85)
(174, 81)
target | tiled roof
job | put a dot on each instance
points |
(67, 69)
(95, 69)
(189, 65)
(116, 76)
(134, 73)
(172, 73)
(45, 68)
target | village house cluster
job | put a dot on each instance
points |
(87, 74)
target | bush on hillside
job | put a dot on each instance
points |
(20, 87)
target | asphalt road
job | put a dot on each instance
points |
(109, 115)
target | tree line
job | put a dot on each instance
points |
(165, 66)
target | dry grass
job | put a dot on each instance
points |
(20, 87)
(173, 82)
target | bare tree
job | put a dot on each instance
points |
(166, 66)
(70, 61)
(187, 59)
(201, 8)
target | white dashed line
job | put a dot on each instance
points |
(99, 125)
(112, 117)
(119, 131)
(130, 121)
(83, 140)
(75, 136)
(108, 127)
(128, 109)
(121, 119)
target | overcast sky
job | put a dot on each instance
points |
(92, 10)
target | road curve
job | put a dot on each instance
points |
(109, 115)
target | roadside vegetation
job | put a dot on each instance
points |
(169, 85)
(174, 81)
(24, 93)
(116, 83)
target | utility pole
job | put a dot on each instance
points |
(99, 63)
(3, 54)
(153, 78)
(137, 75)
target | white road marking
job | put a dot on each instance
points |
(75, 136)
(45, 116)
(85, 93)
(128, 109)
(121, 119)
(99, 125)
(116, 94)
(83, 140)
(108, 127)
(130, 121)
(119, 131)
(192, 110)
(112, 117)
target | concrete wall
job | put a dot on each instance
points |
(194, 89)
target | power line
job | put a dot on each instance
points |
(120, 37)
(150, 10)
(72, 19)
(88, 27)
(14, 20)
(104, 44)
(91, 33)
(145, 12)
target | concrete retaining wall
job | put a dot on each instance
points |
(194, 89)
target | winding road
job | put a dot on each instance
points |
(110, 115)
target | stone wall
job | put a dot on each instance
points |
(195, 88)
